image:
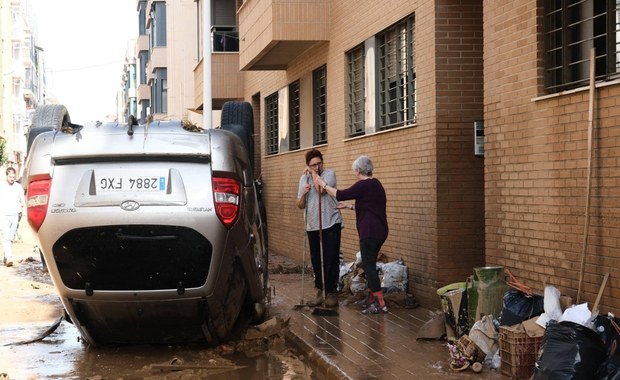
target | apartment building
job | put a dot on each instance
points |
(22, 67)
(477, 115)
(400, 81)
(166, 52)
(126, 98)
(405, 89)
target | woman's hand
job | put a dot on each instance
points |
(345, 205)
(316, 178)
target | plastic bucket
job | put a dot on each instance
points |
(485, 292)
(453, 299)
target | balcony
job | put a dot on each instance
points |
(157, 61)
(226, 80)
(272, 33)
(144, 93)
(142, 44)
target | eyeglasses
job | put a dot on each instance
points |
(316, 165)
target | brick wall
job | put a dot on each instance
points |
(536, 165)
(433, 181)
(459, 94)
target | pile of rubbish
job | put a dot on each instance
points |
(393, 276)
(532, 336)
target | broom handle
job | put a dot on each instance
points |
(303, 261)
(586, 226)
(321, 244)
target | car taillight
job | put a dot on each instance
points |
(38, 197)
(226, 192)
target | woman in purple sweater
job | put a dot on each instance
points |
(371, 221)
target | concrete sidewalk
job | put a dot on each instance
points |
(356, 346)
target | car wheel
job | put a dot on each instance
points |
(47, 117)
(237, 117)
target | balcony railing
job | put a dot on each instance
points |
(224, 38)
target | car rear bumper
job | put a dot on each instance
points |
(141, 322)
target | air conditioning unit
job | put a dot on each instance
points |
(479, 137)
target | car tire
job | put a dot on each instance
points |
(238, 118)
(47, 117)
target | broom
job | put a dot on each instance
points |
(322, 311)
(302, 302)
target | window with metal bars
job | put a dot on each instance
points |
(319, 93)
(271, 123)
(571, 29)
(355, 91)
(397, 76)
(294, 124)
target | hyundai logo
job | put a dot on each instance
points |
(130, 205)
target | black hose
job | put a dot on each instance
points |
(41, 336)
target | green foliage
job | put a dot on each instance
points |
(3, 155)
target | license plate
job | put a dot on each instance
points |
(110, 181)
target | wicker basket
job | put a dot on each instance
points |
(518, 352)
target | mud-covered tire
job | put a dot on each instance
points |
(238, 118)
(47, 117)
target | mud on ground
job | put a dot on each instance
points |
(30, 306)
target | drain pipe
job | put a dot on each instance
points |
(206, 66)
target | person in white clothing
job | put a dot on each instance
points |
(11, 206)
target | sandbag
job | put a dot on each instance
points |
(519, 307)
(394, 275)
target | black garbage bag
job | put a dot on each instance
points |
(569, 351)
(608, 328)
(609, 332)
(519, 307)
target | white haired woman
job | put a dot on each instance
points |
(371, 222)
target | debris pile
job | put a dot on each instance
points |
(493, 324)
(393, 276)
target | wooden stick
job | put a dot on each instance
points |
(600, 294)
(586, 226)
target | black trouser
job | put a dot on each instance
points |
(369, 250)
(331, 257)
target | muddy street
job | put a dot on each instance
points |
(30, 308)
(350, 344)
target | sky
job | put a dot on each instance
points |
(85, 43)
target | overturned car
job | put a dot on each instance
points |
(152, 232)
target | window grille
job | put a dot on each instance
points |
(571, 29)
(271, 123)
(294, 116)
(319, 92)
(397, 76)
(355, 91)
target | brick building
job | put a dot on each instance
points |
(400, 81)
(407, 82)
(536, 114)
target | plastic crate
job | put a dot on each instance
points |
(518, 352)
